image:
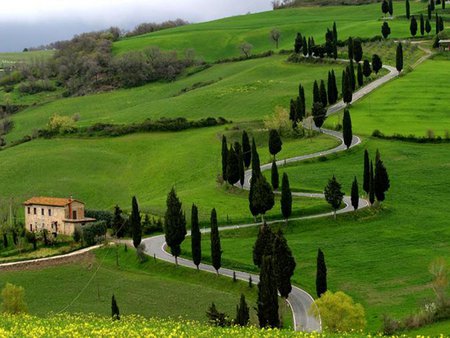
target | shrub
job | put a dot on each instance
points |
(94, 233)
(34, 87)
(101, 215)
(77, 234)
(61, 125)
(13, 299)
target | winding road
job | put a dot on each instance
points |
(299, 300)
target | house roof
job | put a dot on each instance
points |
(444, 41)
(50, 201)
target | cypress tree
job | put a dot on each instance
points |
(240, 157)
(135, 222)
(286, 198)
(408, 10)
(224, 157)
(385, 7)
(242, 312)
(359, 76)
(298, 43)
(321, 275)
(256, 166)
(246, 149)
(441, 24)
(335, 49)
(174, 224)
(347, 132)
(118, 223)
(351, 75)
(251, 204)
(371, 185)
(413, 26)
(367, 70)
(432, 7)
(284, 264)
(355, 194)
(301, 102)
(263, 198)
(350, 48)
(335, 34)
(330, 89)
(293, 113)
(429, 12)
(376, 63)
(216, 250)
(196, 237)
(391, 7)
(232, 167)
(334, 89)
(399, 57)
(427, 26)
(267, 303)
(347, 94)
(366, 175)
(443, 4)
(304, 47)
(319, 113)
(275, 143)
(316, 93)
(310, 47)
(422, 25)
(437, 24)
(323, 94)
(357, 50)
(263, 245)
(385, 30)
(115, 313)
(381, 180)
(275, 178)
(333, 194)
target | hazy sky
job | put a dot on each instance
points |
(25, 23)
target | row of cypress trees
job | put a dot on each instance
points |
(376, 180)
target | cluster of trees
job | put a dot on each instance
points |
(424, 25)
(235, 159)
(308, 47)
(387, 6)
(150, 27)
(376, 180)
(221, 319)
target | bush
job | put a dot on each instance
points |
(77, 234)
(94, 233)
(34, 87)
(60, 125)
(13, 299)
(101, 215)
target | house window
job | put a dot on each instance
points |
(74, 214)
(42, 211)
(35, 211)
(49, 212)
(29, 210)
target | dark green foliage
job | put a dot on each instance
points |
(321, 275)
(77, 235)
(432, 6)
(293, 113)
(408, 9)
(246, 149)
(275, 142)
(301, 103)
(284, 264)
(347, 93)
(298, 43)
(350, 48)
(413, 26)
(316, 92)
(422, 25)
(355, 194)
(437, 24)
(135, 223)
(319, 113)
(333, 194)
(332, 88)
(256, 165)
(240, 157)
(371, 185)
(441, 24)
(357, 50)
(304, 47)
(5, 240)
(385, 30)
(366, 174)
(216, 249)
(196, 237)
(263, 245)
(232, 167)
(267, 303)
(391, 7)
(376, 63)
(251, 205)
(367, 70)
(335, 33)
(250, 282)
(310, 47)
(443, 4)
(101, 215)
(174, 224)
(347, 132)
(242, 313)
(385, 7)
(275, 178)
(359, 75)
(351, 75)
(217, 318)
(118, 223)
(427, 26)
(224, 157)
(94, 233)
(286, 197)
(323, 93)
(399, 57)
(114, 309)
(381, 179)
(262, 198)
(31, 238)
(429, 12)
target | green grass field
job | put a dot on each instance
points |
(7, 59)
(221, 38)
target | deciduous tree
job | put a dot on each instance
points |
(275, 35)
(333, 194)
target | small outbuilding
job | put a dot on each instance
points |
(444, 45)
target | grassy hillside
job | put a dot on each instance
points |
(7, 59)
(219, 39)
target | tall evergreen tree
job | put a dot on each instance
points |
(275, 178)
(232, 167)
(246, 149)
(115, 313)
(310, 47)
(357, 50)
(413, 26)
(224, 157)
(256, 166)
(216, 249)
(196, 237)
(242, 312)
(381, 180)
(275, 143)
(262, 199)
(385, 30)
(333, 194)
(391, 7)
(240, 157)
(432, 6)
(298, 43)
(301, 102)
(293, 113)
(347, 94)
(335, 33)
(286, 198)
(321, 275)
(267, 303)
(332, 88)
(323, 93)
(385, 7)
(347, 132)
(367, 70)
(399, 57)
(376, 63)
(422, 25)
(350, 48)
(319, 113)
(284, 264)
(371, 185)
(263, 245)
(251, 205)
(118, 223)
(443, 4)
(174, 224)
(408, 10)
(329, 87)
(427, 26)
(366, 175)
(355, 194)
(437, 24)
(135, 222)
(316, 92)
(304, 47)
(351, 75)
(429, 12)
(359, 75)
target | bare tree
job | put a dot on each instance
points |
(246, 48)
(275, 35)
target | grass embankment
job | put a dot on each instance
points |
(220, 39)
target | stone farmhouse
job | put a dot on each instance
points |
(57, 215)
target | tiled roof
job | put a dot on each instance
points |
(51, 201)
